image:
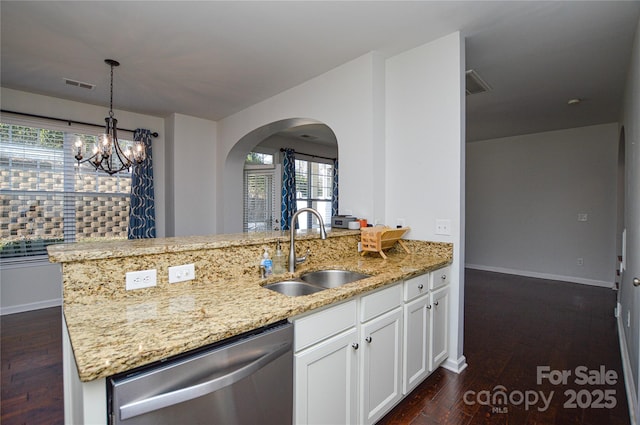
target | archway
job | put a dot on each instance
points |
(307, 133)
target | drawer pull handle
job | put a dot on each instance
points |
(443, 277)
(436, 303)
(429, 307)
(368, 339)
(421, 286)
(355, 345)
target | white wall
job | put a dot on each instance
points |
(191, 176)
(629, 296)
(524, 195)
(30, 286)
(425, 155)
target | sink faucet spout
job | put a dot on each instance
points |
(293, 260)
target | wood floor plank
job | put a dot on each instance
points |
(31, 358)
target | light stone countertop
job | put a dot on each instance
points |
(83, 251)
(111, 334)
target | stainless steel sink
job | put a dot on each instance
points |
(294, 288)
(312, 282)
(332, 278)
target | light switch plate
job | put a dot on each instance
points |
(443, 227)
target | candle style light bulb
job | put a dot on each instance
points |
(77, 149)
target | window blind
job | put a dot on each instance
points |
(45, 197)
(261, 206)
(314, 187)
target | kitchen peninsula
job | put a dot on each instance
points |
(110, 330)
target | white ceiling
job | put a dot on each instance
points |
(210, 59)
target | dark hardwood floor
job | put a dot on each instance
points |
(31, 358)
(512, 326)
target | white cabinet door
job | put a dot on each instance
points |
(417, 328)
(326, 381)
(439, 327)
(381, 371)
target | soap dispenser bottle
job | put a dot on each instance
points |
(266, 264)
(279, 266)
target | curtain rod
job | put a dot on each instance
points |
(69, 122)
(312, 156)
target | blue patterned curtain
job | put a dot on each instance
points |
(334, 193)
(142, 214)
(288, 187)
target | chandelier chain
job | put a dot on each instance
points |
(111, 93)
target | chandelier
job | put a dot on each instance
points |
(107, 154)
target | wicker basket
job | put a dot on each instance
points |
(379, 238)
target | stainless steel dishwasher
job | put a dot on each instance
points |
(245, 380)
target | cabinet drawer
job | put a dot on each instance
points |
(319, 326)
(416, 286)
(380, 302)
(440, 277)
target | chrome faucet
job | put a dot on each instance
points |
(293, 260)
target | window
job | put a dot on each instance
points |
(261, 193)
(314, 186)
(262, 185)
(46, 198)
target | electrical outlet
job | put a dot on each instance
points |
(580, 261)
(582, 216)
(182, 273)
(141, 279)
(443, 227)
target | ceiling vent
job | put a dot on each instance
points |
(475, 84)
(80, 84)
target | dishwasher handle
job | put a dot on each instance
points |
(160, 401)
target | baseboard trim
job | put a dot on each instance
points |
(455, 365)
(21, 308)
(549, 276)
(629, 383)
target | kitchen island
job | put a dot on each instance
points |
(110, 330)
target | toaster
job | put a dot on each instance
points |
(342, 221)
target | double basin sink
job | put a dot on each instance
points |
(312, 282)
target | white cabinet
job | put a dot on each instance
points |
(426, 325)
(417, 330)
(440, 277)
(326, 380)
(381, 356)
(325, 366)
(348, 360)
(439, 327)
(356, 360)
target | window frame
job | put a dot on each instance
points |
(311, 223)
(275, 171)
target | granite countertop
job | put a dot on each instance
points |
(63, 253)
(112, 335)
